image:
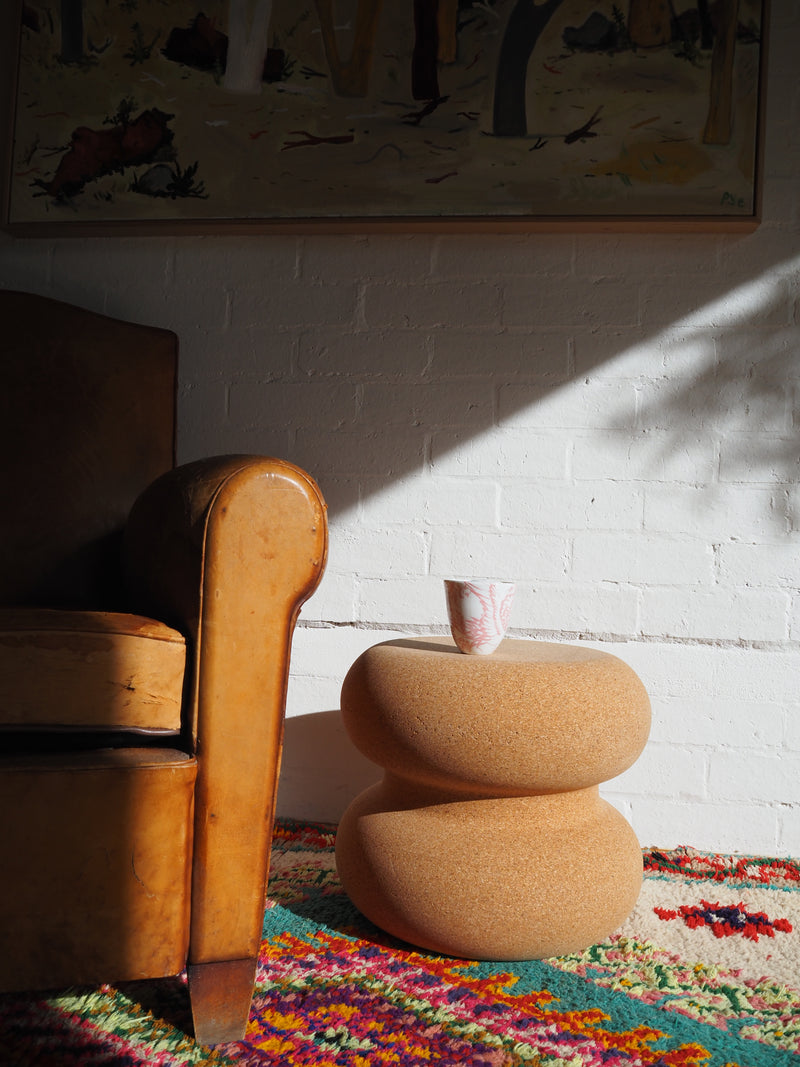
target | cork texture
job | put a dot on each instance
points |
(487, 838)
(505, 879)
(531, 718)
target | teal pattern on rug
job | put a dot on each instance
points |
(332, 989)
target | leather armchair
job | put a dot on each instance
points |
(145, 634)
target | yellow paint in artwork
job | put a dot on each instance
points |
(656, 162)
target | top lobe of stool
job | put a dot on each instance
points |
(530, 718)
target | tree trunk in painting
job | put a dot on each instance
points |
(248, 29)
(523, 29)
(448, 31)
(350, 78)
(71, 31)
(649, 23)
(719, 123)
(425, 58)
(706, 26)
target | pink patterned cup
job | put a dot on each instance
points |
(479, 611)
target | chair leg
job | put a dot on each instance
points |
(221, 994)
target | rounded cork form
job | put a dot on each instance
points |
(487, 838)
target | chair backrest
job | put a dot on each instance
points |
(87, 421)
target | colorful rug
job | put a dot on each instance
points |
(705, 973)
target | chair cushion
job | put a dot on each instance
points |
(91, 670)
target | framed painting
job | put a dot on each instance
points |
(503, 115)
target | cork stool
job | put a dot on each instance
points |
(487, 837)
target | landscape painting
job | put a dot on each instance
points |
(407, 111)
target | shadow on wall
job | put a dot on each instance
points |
(707, 399)
(325, 771)
(364, 409)
(743, 402)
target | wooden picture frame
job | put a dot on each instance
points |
(140, 116)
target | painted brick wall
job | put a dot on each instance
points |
(613, 421)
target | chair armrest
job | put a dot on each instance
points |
(227, 550)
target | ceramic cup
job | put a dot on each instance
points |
(478, 610)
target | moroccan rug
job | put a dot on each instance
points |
(705, 973)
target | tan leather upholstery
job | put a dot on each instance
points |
(85, 401)
(129, 861)
(250, 535)
(110, 671)
(96, 857)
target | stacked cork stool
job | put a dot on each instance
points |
(487, 837)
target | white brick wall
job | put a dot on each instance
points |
(611, 420)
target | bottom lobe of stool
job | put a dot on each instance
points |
(498, 878)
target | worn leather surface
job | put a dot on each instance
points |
(124, 862)
(240, 543)
(96, 861)
(89, 669)
(86, 423)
